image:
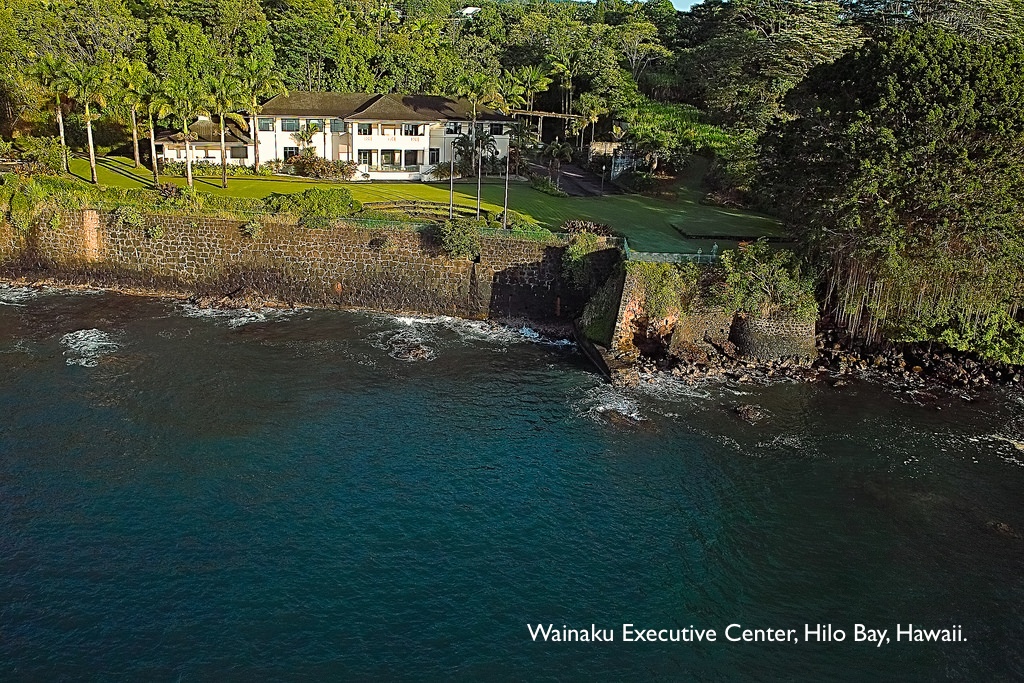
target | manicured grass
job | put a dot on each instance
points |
(646, 222)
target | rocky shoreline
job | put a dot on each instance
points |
(841, 359)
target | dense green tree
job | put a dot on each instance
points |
(901, 166)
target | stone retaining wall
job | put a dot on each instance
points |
(388, 269)
(768, 339)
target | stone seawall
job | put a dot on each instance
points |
(767, 339)
(344, 265)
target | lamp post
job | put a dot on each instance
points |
(451, 183)
(604, 167)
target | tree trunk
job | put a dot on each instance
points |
(152, 151)
(188, 160)
(508, 167)
(255, 135)
(223, 156)
(92, 151)
(63, 140)
(590, 152)
(135, 139)
(479, 173)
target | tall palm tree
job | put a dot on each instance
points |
(480, 88)
(49, 70)
(131, 79)
(510, 96)
(186, 101)
(534, 80)
(226, 95)
(157, 107)
(567, 68)
(87, 84)
(259, 81)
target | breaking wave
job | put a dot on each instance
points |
(87, 347)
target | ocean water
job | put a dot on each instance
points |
(199, 495)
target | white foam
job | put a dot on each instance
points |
(238, 317)
(87, 347)
(599, 403)
(16, 296)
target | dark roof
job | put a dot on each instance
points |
(208, 132)
(316, 104)
(390, 107)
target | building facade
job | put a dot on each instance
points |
(389, 137)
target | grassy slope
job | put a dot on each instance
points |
(646, 222)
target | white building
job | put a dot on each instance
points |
(390, 137)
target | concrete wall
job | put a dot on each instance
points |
(388, 270)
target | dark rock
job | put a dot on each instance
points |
(750, 413)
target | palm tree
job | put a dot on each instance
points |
(591, 107)
(567, 68)
(131, 79)
(479, 88)
(49, 70)
(88, 85)
(533, 79)
(186, 101)
(510, 96)
(556, 152)
(304, 136)
(259, 80)
(226, 95)
(158, 106)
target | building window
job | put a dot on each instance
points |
(496, 129)
(266, 124)
(319, 123)
(289, 152)
(365, 129)
(412, 158)
(453, 128)
(410, 129)
(390, 157)
(435, 155)
(289, 125)
(337, 125)
(239, 152)
(364, 157)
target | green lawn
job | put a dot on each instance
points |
(647, 223)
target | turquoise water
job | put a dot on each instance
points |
(186, 495)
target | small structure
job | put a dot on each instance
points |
(204, 137)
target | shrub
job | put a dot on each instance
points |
(310, 165)
(576, 263)
(168, 191)
(574, 226)
(460, 237)
(544, 184)
(26, 203)
(127, 217)
(41, 155)
(316, 207)
(253, 229)
(665, 285)
(763, 282)
(154, 232)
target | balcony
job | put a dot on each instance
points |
(390, 141)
